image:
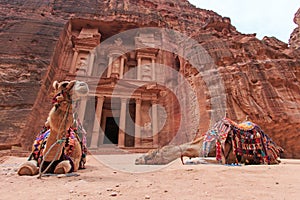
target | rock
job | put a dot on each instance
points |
(261, 78)
(113, 194)
(147, 197)
(294, 40)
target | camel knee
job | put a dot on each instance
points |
(29, 168)
(63, 167)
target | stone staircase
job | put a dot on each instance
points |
(111, 149)
(106, 149)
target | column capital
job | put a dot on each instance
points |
(75, 49)
(124, 100)
(100, 98)
(138, 100)
(154, 101)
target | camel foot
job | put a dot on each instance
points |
(28, 168)
(63, 167)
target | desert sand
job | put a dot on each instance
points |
(116, 177)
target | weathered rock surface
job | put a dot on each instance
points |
(295, 36)
(261, 77)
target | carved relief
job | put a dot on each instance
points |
(82, 64)
(147, 130)
(146, 73)
(116, 66)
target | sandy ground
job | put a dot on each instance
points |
(113, 177)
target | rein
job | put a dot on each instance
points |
(58, 141)
(57, 102)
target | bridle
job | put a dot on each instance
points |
(66, 97)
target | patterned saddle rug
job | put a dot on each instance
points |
(73, 133)
(247, 140)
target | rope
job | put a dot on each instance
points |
(58, 141)
(40, 169)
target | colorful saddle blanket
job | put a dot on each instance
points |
(247, 140)
(72, 134)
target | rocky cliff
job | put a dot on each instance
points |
(294, 41)
(261, 77)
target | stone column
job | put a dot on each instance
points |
(122, 123)
(137, 135)
(81, 109)
(139, 69)
(73, 64)
(122, 67)
(154, 124)
(97, 121)
(91, 63)
(109, 66)
(153, 69)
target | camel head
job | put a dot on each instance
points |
(66, 95)
(69, 90)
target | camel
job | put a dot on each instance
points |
(244, 143)
(169, 153)
(62, 151)
(221, 140)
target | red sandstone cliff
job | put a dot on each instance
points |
(261, 76)
(294, 41)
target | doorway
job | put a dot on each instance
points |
(111, 130)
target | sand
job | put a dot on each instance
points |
(115, 177)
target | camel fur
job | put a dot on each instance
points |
(65, 157)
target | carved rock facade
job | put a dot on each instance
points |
(39, 40)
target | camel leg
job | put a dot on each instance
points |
(28, 168)
(63, 167)
(181, 157)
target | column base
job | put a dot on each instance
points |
(93, 147)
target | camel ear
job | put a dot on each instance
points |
(70, 85)
(55, 85)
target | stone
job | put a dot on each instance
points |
(113, 194)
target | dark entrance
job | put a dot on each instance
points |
(111, 130)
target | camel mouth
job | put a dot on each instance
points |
(81, 89)
(83, 92)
